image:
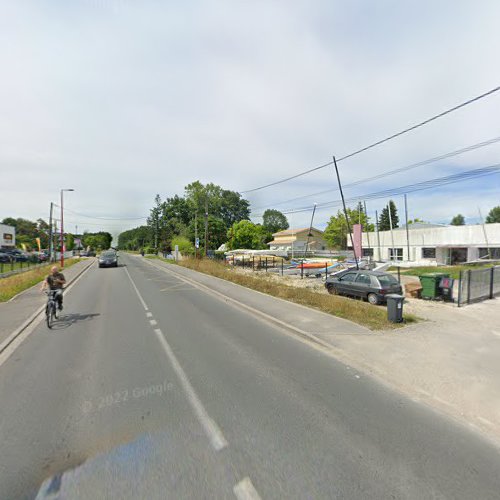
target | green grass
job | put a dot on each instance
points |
(6, 267)
(12, 285)
(373, 317)
(453, 271)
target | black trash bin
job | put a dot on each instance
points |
(395, 308)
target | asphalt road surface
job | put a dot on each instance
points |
(162, 390)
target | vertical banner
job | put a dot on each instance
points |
(356, 234)
(39, 244)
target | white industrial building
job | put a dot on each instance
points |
(434, 244)
(7, 236)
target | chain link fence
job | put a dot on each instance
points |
(478, 284)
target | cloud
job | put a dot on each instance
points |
(121, 100)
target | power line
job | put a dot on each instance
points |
(381, 141)
(396, 170)
(101, 218)
(410, 188)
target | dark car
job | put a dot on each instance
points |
(108, 259)
(373, 286)
(16, 254)
(5, 257)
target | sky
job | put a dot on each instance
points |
(123, 99)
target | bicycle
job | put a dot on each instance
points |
(51, 307)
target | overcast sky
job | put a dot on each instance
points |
(123, 99)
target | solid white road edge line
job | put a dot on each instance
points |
(255, 312)
(214, 434)
(245, 490)
(16, 338)
(136, 291)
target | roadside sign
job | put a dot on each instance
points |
(176, 252)
(197, 242)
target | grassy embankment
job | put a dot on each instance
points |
(12, 285)
(373, 317)
(453, 271)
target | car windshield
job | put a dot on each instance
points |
(108, 254)
(387, 280)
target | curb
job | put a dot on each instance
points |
(266, 317)
(33, 317)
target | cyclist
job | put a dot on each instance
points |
(55, 281)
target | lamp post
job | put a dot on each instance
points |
(62, 226)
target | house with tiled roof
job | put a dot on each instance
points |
(295, 240)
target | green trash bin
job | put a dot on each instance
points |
(430, 285)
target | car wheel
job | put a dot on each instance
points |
(332, 290)
(372, 299)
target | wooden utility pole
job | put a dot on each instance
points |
(310, 229)
(206, 225)
(345, 213)
(50, 231)
(407, 229)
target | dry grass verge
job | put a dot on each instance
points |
(12, 285)
(373, 317)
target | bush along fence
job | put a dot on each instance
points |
(476, 285)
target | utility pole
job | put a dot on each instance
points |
(309, 233)
(345, 213)
(206, 224)
(484, 232)
(407, 229)
(196, 234)
(390, 224)
(367, 231)
(378, 236)
(50, 231)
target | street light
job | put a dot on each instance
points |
(62, 226)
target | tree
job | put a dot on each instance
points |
(493, 215)
(185, 246)
(27, 231)
(274, 221)
(336, 233)
(135, 239)
(458, 220)
(97, 241)
(246, 234)
(384, 222)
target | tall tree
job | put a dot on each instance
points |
(336, 232)
(384, 222)
(274, 221)
(246, 234)
(493, 215)
(458, 220)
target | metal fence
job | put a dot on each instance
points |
(476, 285)
(13, 267)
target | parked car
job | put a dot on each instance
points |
(108, 259)
(16, 254)
(5, 257)
(373, 286)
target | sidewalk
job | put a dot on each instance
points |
(16, 311)
(450, 361)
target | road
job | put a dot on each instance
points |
(200, 399)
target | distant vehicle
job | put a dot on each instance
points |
(5, 257)
(373, 286)
(84, 253)
(16, 254)
(39, 256)
(108, 259)
(91, 253)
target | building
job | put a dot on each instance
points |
(431, 244)
(7, 236)
(295, 240)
